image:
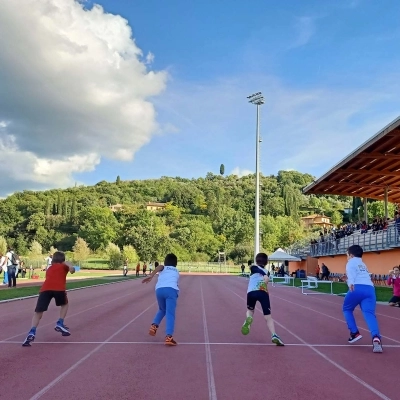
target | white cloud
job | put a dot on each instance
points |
(305, 30)
(74, 88)
(241, 172)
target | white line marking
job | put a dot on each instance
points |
(335, 364)
(39, 394)
(330, 316)
(213, 344)
(212, 393)
(74, 315)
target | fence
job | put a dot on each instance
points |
(369, 241)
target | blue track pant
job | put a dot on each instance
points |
(364, 296)
(166, 298)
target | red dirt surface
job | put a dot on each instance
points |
(111, 356)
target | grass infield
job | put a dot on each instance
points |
(24, 291)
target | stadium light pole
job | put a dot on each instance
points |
(257, 99)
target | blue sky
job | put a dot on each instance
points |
(329, 71)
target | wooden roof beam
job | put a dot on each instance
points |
(378, 156)
(372, 172)
(361, 185)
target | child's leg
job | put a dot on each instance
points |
(36, 319)
(161, 297)
(351, 301)
(270, 324)
(251, 305)
(368, 306)
(170, 303)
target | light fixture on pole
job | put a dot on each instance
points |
(258, 100)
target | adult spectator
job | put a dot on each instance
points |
(12, 265)
(325, 272)
(3, 267)
(48, 260)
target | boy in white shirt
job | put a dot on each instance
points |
(257, 291)
(361, 292)
(167, 293)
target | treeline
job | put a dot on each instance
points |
(202, 216)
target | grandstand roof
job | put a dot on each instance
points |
(368, 170)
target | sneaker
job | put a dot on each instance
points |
(246, 325)
(30, 338)
(377, 345)
(153, 330)
(63, 329)
(354, 337)
(169, 341)
(277, 340)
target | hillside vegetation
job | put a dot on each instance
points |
(202, 216)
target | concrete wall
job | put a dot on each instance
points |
(376, 263)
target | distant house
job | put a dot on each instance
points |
(316, 220)
(154, 206)
(116, 207)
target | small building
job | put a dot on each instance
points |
(116, 207)
(155, 206)
(316, 220)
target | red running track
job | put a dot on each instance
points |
(111, 356)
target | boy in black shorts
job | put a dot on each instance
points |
(55, 287)
(257, 291)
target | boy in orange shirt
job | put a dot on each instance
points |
(53, 287)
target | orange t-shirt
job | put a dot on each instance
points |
(56, 278)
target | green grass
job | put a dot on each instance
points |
(382, 293)
(7, 294)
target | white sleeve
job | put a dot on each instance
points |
(351, 272)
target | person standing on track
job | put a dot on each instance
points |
(361, 292)
(167, 293)
(394, 279)
(257, 291)
(53, 287)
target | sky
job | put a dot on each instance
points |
(146, 88)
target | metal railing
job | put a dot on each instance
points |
(369, 241)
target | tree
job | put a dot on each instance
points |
(35, 249)
(81, 250)
(114, 256)
(130, 254)
(222, 169)
(99, 226)
(3, 245)
(118, 180)
(73, 211)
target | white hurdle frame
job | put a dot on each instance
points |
(312, 283)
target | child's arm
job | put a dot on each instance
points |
(150, 277)
(390, 278)
(70, 266)
(351, 274)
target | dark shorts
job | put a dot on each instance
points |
(395, 299)
(45, 298)
(261, 296)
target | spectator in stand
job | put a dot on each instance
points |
(394, 280)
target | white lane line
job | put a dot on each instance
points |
(73, 315)
(211, 344)
(325, 357)
(54, 382)
(212, 393)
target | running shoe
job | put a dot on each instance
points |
(62, 329)
(153, 330)
(277, 340)
(30, 338)
(354, 337)
(169, 341)
(377, 345)
(246, 325)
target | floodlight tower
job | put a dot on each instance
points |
(258, 100)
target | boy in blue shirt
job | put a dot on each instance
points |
(361, 292)
(257, 291)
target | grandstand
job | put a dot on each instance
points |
(372, 171)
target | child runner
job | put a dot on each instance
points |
(53, 287)
(257, 291)
(394, 279)
(167, 292)
(361, 292)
